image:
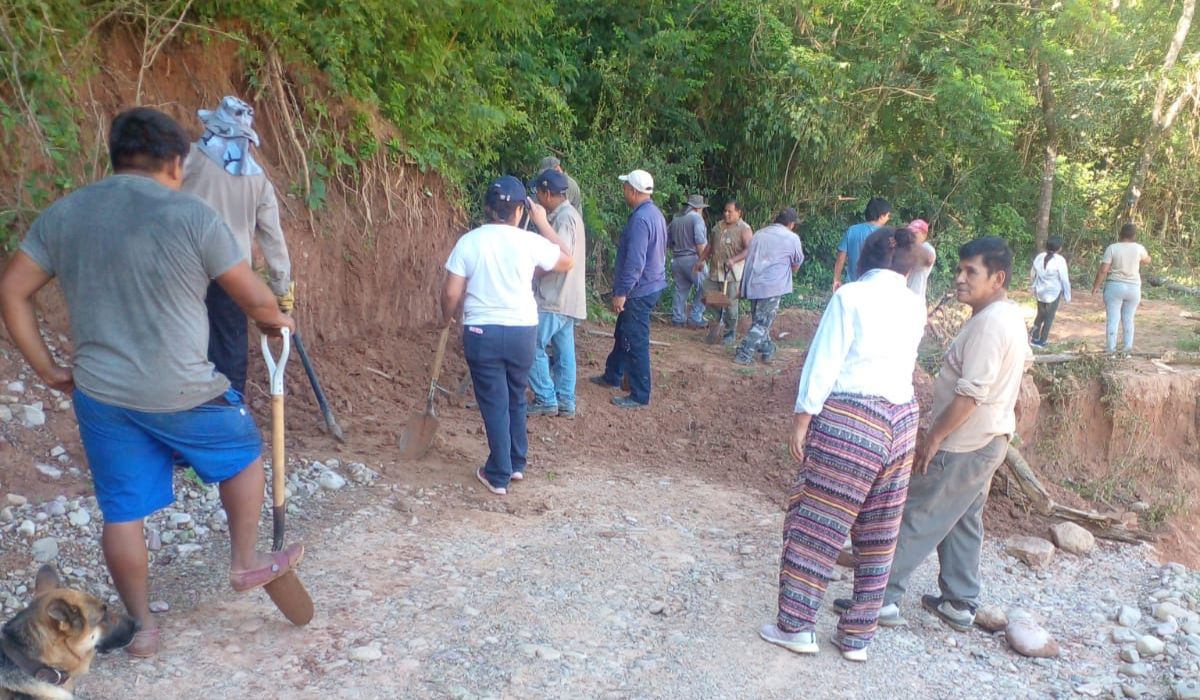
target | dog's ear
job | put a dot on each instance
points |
(47, 580)
(68, 616)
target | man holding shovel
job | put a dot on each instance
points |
(221, 170)
(490, 276)
(134, 258)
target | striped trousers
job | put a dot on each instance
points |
(857, 461)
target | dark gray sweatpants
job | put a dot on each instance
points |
(944, 512)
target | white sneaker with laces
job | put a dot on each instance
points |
(798, 642)
(483, 480)
(858, 655)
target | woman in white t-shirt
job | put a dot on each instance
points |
(1050, 282)
(489, 275)
(1121, 264)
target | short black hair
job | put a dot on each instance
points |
(889, 248)
(877, 207)
(1128, 232)
(498, 211)
(787, 216)
(997, 256)
(145, 139)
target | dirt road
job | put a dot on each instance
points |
(589, 580)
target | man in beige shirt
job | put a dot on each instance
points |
(973, 419)
(221, 170)
(562, 302)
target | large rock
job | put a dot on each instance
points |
(33, 416)
(1072, 538)
(1128, 616)
(1028, 638)
(1149, 646)
(1186, 690)
(991, 618)
(1170, 611)
(1034, 551)
(45, 550)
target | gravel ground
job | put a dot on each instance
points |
(584, 584)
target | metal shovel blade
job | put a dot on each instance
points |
(418, 435)
(289, 595)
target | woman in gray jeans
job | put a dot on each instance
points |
(1121, 264)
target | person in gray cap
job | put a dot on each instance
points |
(221, 170)
(687, 235)
(574, 196)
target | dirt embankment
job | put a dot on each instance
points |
(368, 266)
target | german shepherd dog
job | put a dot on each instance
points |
(47, 646)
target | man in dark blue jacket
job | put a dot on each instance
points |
(640, 277)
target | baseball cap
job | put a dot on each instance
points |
(919, 225)
(506, 189)
(639, 180)
(552, 181)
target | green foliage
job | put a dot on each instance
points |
(819, 104)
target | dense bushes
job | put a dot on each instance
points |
(816, 104)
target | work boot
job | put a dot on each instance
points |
(537, 408)
(740, 359)
(714, 333)
(729, 339)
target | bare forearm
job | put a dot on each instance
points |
(22, 324)
(951, 418)
(838, 265)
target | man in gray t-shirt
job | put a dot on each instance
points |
(686, 237)
(134, 257)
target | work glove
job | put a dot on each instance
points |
(287, 300)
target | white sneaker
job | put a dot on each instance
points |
(889, 616)
(799, 642)
(483, 480)
(517, 476)
(858, 655)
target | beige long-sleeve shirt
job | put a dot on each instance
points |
(248, 205)
(985, 363)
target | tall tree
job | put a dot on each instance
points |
(1041, 229)
(1162, 117)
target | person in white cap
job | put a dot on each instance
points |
(221, 170)
(638, 281)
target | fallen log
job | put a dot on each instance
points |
(604, 334)
(1156, 281)
(1109, 527)
(1170, 357)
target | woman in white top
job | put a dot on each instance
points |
(1121, 264)
(1051, 283)
(854, 432)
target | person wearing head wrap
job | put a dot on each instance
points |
(221, 170)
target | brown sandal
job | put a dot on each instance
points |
(283, 562)
(145, 643)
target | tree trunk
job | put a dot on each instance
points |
(1160, 122)
(1041, 229)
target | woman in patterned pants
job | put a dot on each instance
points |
(854, 432)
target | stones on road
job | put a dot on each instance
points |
(1028, 638)
(1150, 646)
(991, 618)
(1035, 552)
(1072, 538)
(45, 550)
(366, 653)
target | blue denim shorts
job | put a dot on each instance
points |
(131, 453)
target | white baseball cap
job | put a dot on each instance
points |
(639, 180)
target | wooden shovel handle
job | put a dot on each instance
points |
(277, 453)
(437, 362)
